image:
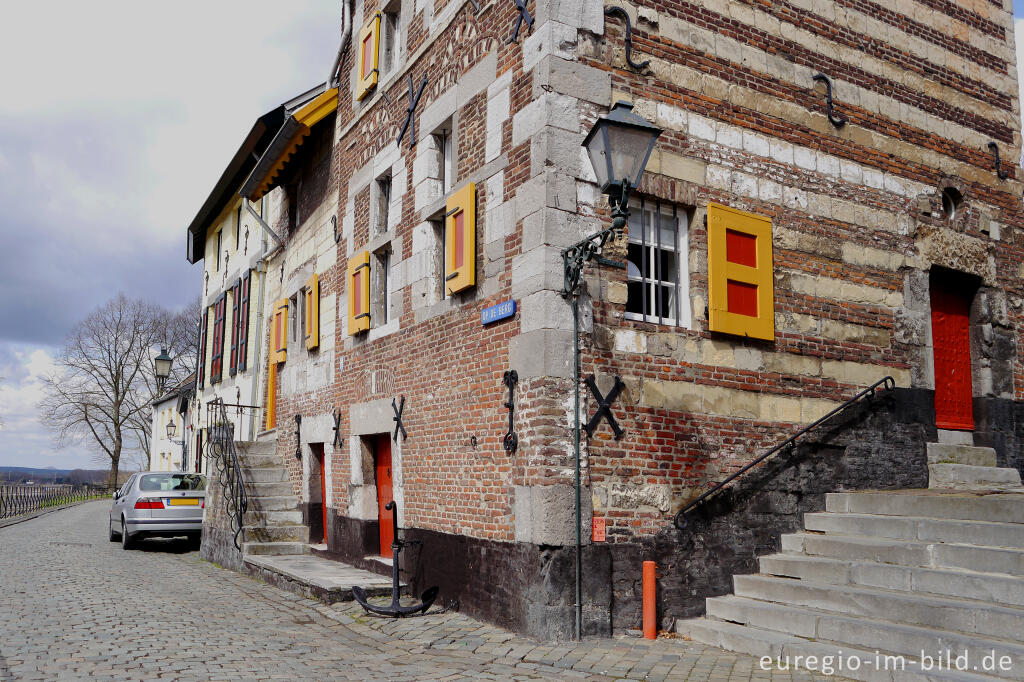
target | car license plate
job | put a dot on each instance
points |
(183, 502)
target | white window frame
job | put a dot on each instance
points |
(644, 214)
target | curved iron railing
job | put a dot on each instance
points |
(18, 499)
(887, 384)
(224, 456)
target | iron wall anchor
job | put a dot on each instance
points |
(395, 609)
(1000, 173)
(833, 118)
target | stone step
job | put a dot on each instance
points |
(918, 528)
(832, 634)
(965, 616)
(759, 642)
(967, 506)
(985, 587)
(944, 453)
(907, 553)
(968, 477)
(275, 548)
(274, 503)
(256, 447)
(264, 474)
(259, 461)
(255, 517)
(292, 533)
(275, 489)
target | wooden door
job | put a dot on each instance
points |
(951, 341)
(382, 457)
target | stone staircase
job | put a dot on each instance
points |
(273, 523)
(900, 573)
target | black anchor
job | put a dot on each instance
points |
(604, 407)
(398, 409)
(833, 118)
(410, 124)
(337, 429)
(1000, 173)
(524, 15)
(510, 379)
(616, 10)
(395, 609)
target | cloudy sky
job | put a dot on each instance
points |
(116, 119)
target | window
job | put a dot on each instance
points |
(656, 272)
(390, 37)
(238, 227)
(383, 203)
(379, 278)
(292, 197)
(218, 249)
(293, 317)
(439, 257)
(951, 200)
(442, 139)
(235, 311)
(217, 357)
(243, 319)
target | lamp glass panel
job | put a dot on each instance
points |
(163, 367)
(597, 148)
(629, 147)
(171, 428)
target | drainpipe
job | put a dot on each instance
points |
(261, 267)
(346, 37)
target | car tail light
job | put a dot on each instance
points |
(149, 504)
(202, 505)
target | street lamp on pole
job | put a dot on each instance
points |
(619, 146)
(162, 368)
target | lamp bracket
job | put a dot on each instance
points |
(575, 257)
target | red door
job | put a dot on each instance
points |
(383, 461)
(319, 450)
(951, 340)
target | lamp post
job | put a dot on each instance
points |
(619, 146)
(172, 428)
(162, 368)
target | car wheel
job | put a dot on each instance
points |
(126, 541)
(114, 536)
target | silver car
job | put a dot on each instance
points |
(165, 504)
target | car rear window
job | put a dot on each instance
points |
(151, 482)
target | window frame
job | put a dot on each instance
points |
(652, 285)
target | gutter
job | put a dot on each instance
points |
(261, 267)
(346, 38)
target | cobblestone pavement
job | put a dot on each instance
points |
(75, 606)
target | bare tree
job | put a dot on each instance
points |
(102, 369)
(178, 334)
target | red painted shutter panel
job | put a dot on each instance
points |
(243, 323)
(202, 348)
(235, 290)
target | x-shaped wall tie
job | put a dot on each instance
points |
(337, 428)
(410, 123)
(604, 407)
(524, 15)
(399, 408)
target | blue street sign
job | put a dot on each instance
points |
(498, 312)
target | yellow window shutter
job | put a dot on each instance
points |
(359, 293)
(367, 52)
(313, 312)
(279, 332)
(460, 240)
(740, 273)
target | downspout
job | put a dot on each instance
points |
(261, 267)
(576, 442)
(346, 37)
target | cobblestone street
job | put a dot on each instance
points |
(76, 606)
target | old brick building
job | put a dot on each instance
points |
(782, 254)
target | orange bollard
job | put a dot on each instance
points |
(650, 607)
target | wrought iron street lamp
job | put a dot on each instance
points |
(162, 368)
(172, 428)
(619, 146)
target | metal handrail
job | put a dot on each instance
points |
(222, 451)
(18, 499)
(888, 383)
